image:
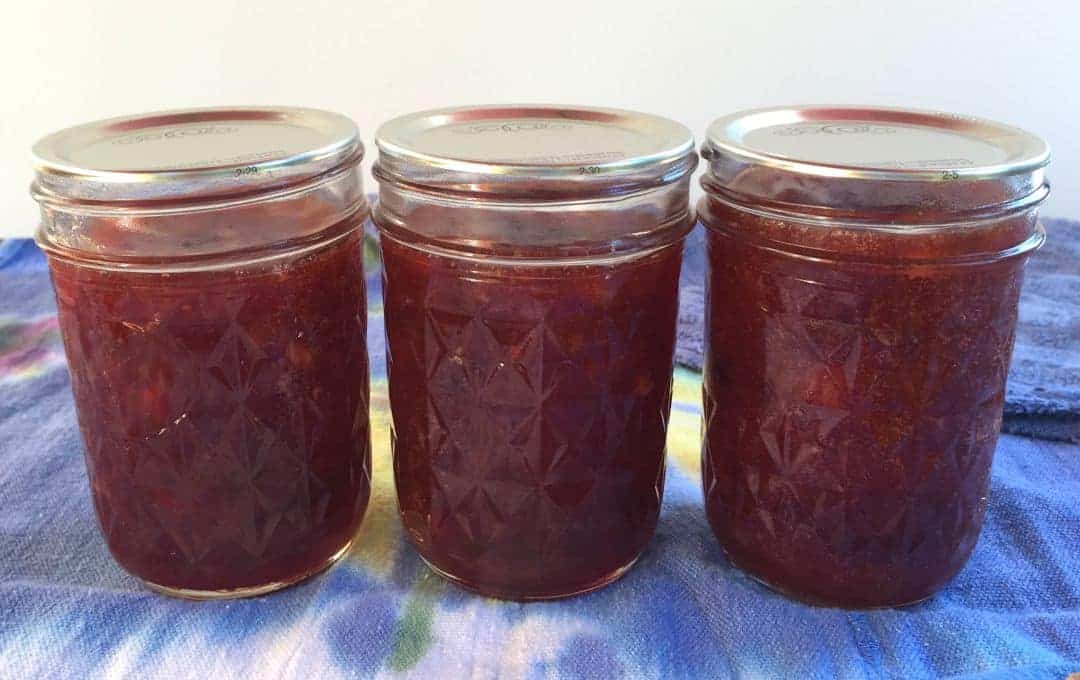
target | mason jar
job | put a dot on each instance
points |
(209, 284)
(531, 262)
(864, 270)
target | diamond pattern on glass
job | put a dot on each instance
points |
(850, 421)
(530, 414)
(225, 419)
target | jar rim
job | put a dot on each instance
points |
(264, 226)
(872, 222)
(594, 229)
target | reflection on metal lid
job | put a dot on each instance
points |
(864, 158)
(193, 153)
(875, 143)
(533, 149)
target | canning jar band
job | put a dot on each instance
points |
(1031, 243)
(628, 188)
(534, 262)
(190, 206)
(985, 215)
(348, 223)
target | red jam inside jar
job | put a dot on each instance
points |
(530, 328)
(860, 321)
(217, 347)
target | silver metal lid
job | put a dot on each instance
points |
(533, 150)
(837, 157)
(211, 152)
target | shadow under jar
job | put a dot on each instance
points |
(210, 289)
(865, 268)
(531, 264)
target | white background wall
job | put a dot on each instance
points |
(69, 63)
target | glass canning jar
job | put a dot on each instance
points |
(209, 283)
(531, 264)
(865, 267)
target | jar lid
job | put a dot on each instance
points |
(839, 157)
(533, 151)
(176, 155)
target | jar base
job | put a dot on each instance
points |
(517, 596)
(816, 601)
(248, 591)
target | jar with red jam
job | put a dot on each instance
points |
(210, 290)
(531, 263)
(864, 271)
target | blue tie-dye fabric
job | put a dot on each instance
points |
(67, 611)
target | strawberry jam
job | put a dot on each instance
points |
(855, 368)
(530, 411)
(531, 264)
(211, 298)
(224, 414)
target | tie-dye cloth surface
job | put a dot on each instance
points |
(67, 611)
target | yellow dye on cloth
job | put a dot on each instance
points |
(376, 543)
(684, 430)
